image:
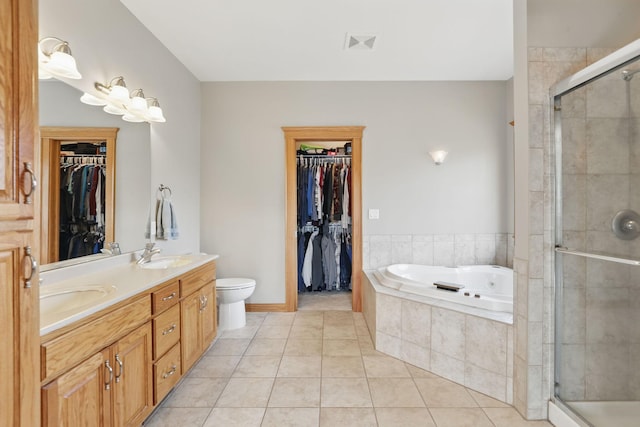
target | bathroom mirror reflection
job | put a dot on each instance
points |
(60, 106)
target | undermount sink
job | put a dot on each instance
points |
(162, 263)
(57, 300)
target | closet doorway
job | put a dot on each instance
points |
(81, 146)
(294, 136)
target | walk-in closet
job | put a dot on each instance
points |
(323, 214)
(324, 217)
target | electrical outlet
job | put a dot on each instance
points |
(374, 213)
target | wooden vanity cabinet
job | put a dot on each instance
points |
(111, 388)
(112, 369)
(197, 313)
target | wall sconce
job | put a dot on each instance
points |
(115, 99)
(55, 59)
(438, 156)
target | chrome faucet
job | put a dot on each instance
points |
(149, 251)
(114, 247)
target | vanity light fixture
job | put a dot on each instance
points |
(155, 112)
(115, 91)
(438, 156)
(55, 59)
(115, 99)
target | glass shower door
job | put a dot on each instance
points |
(597, 335)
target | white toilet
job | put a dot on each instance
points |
(231, 294)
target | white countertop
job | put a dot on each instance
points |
(119, 272)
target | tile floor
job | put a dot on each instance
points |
(319, 368)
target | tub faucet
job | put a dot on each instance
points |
(149, 251)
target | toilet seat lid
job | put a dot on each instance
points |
(235, 283)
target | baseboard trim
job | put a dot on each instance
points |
(265, 307)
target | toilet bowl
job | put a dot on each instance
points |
(231, 294)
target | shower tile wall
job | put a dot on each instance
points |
(533, 379)
(437, 249)
(601, 298)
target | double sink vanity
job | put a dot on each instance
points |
(116, 336)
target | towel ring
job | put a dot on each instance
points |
(162, 188)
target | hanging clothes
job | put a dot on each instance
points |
(323, 223)
(82, 201)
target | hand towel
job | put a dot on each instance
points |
(166, 220)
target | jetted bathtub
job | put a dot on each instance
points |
(488, 287)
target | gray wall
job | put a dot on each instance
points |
(580, 23)
(243, 169)
(108, 41)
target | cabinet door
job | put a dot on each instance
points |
(208, 315)
(133, 386)
(79, 397)
(190, 341)
(19, 335)
(17, 106)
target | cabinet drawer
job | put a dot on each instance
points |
(166, 373)
(166, 331)
(196, 279)
(165, 297)
(71, 348)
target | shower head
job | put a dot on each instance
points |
(628, 74)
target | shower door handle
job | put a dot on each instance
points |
(602, 257)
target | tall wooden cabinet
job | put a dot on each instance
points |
(19, 334)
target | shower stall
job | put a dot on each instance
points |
(596, 123)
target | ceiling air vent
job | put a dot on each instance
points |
(360, 41)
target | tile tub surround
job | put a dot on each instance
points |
(437, 249)
(473, 351)
(320, 381)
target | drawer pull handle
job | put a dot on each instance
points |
(168, 297)
(121, 368)
(171, 372)
(107, 385)
(168, 331)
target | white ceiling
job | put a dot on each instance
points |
(285, 40)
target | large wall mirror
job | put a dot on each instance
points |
(130, 170)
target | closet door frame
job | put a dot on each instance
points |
(52, 137)
(294, 135)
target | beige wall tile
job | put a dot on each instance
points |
(448, 333)
(447, 367)
(416, 323)
(486, 344)
(485, 381)
(388, 315)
